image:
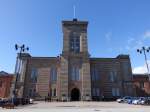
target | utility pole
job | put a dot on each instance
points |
(145, 50)
(21, 49)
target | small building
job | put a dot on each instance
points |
(5, 84)
(141, 85)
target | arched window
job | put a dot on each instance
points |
(75, 73)
(53, 74)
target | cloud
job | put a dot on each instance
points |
(133, 44)
(130, 40)
(146, 35)
(129, 45)
(137, 42)
(141, 69)
(108, 36)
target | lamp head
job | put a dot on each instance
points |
(27, 48)
(138, 50)
(23, 46)
(143, 48)
(16, 46)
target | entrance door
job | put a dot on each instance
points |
(75, 94)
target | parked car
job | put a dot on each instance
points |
(20, 101)
(125, 99)
(135, 100)
(3, 101)
(146, 101)
(141, 100)
(120, 100)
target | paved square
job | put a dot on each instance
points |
(79, 107)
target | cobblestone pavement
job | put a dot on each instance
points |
(79, 107)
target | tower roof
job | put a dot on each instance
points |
(74, 22)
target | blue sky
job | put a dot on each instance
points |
(115, 27)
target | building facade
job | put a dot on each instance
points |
(141, 84)
(5, 84)
(74, 75)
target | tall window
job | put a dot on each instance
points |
(53, 74)
(1, 83)
(75, 73)
(53, 92)
(115, 92)
(34, 75)
(126, 68)
(113, 76)
(94, 74)
(30, 92)
(141, 85)
(95, 92)
(75, 44)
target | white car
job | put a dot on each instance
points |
(124, 99)
(119, 100)
(135, 101)
(31, 101)
(142, 100)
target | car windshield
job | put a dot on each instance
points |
(135, 98)
(142, 98)
(127, 97)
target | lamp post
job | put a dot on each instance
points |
(144, 50)
(21, 49)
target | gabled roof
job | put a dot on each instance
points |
(3, 73)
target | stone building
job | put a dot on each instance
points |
(74, 75)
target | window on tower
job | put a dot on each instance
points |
(75, 73)
(75, 44)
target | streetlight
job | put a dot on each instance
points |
(144, 50)
(21, 49)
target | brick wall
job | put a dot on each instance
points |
(5, 84)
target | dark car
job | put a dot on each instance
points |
(147, 101)
(21, 101)
(3, 101)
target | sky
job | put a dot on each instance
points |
(115, 27)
